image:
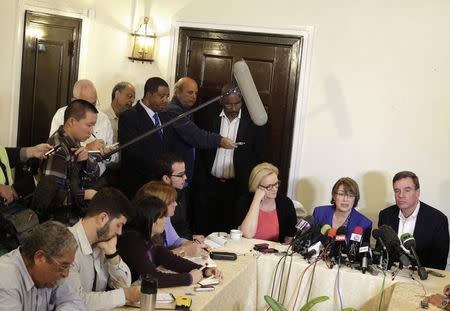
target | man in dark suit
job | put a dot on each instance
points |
(221, 175)
(138, 160)
(187, 135)
(428, 225)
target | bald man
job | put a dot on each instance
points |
(187, 134)
(103, 133)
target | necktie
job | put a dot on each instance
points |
(158, 123)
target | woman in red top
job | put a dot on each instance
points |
(263, 214)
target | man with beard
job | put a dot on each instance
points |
(97, 263)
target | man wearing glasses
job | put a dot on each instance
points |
(97, 263)
(428, 225)
(221, 175)
(32, 276)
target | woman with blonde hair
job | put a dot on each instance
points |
(263, 213)
(172, 240)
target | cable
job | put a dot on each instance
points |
(287, 280)
(384, 279)
(312, 278)
(337, 280)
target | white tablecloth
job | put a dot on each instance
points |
(249, 278)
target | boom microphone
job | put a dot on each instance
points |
(409, 243)
(248, 89)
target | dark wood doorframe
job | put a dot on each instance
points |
(62, 22)
(186, 34)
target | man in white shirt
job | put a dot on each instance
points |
(428, 225)
(123, 95)
(103, 133)
(222, 174)
(97, 263)
(32, 276)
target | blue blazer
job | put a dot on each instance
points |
(324, 215)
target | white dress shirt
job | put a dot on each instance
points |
(150, 113)
(18, 291)
(102, 130)
(113, 119)
(90, 262)
(407, 225)
(223, 166)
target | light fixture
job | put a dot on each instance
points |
(143, 42)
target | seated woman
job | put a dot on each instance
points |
(139, 248)
(263, 213)
(172, 240)
(342, 212)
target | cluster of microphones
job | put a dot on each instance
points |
(317, 241)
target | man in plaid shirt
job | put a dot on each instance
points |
(67, 172)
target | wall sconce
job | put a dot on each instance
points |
(143, 42)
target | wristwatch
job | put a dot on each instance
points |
(444, 304)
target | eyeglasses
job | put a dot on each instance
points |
(345, 194)
(272, 186)
(180, 175)
(62, 267)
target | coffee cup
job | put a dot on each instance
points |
(236, 234)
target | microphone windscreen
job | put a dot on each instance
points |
(248, 89)
(376, 233)
(331, 233)
(341, 230)
(324, 229)
(358, 230)
(405, 236)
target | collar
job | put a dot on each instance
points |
(111, 113)
(412, 216)
(80, 236)
(149, 111)
(29, 283)
(222, 114)
(69, 141)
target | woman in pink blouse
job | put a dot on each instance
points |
(263, 213)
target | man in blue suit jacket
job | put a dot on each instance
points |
(138, 160)
(428, 225)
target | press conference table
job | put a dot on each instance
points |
(250, 277)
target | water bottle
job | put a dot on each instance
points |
(149, 288)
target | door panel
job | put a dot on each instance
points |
(274, 62)
(49, 71)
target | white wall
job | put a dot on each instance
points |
(378, 96)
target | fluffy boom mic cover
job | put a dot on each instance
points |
(248, 89)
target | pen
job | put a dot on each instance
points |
(240, 143)
(94, 135)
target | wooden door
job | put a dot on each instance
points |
(49, 70)
(274, 62)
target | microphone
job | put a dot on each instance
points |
(248, 89)
(364, 249)
(393, 246)
(340, 241)
(355, 243)
(409, 243)
(304, 224)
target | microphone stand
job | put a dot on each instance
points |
(156, 129)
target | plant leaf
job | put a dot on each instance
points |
(274, 305)
(313, 302)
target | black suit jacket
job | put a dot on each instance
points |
(245, 157)
(431, 233)
(138, 160)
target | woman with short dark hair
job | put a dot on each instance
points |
(342, 212)
(140, 247)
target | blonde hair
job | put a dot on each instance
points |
(258, 173)
(162, 191)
